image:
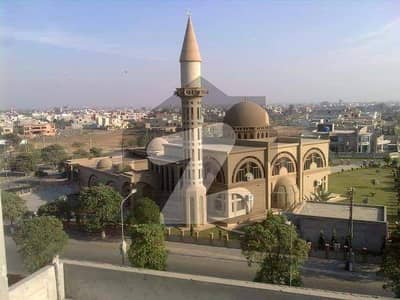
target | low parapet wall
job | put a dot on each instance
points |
(90, 281)
(40, 285)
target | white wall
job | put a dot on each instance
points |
(94, 281)
(41, 285)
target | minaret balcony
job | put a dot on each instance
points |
(191, 92)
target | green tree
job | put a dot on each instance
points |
(276, 248)
(395, 163)
(62, 124)
(77, 144)
(101, 205)
(80, 153)
(387, 160)
(145, 211)
(14, 207)
(54, 154)
(391, 263)
(147, 249)
(144, 139)
(75, 205)
(96, 152)
(24, 162)
(39, 240)
(59, 208)
(12, 138)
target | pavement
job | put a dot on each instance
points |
(220, 262)
(44, 190)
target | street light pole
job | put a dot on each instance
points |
(349, 265)
(123, 243)
(290, 253)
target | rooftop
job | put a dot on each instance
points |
(341, 211)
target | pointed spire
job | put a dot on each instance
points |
(190, 48)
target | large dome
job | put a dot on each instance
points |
(156, 146)
(246, 114)
(105, 163)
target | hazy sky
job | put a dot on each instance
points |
(116, 53)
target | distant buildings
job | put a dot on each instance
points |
(357, 140)
(34, 129)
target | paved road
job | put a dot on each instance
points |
(218, 262)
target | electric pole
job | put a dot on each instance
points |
(350, 257)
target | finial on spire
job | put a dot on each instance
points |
(188, 13)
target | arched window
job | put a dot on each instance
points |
(313, 160)
(283, 162)
(248, 171)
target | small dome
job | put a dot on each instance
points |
(104, 163)
(246, 114)
(156, 146)
(286, 193)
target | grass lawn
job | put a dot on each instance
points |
(361, 179)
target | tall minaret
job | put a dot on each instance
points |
(191, 93)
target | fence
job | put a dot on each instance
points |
(339, 155)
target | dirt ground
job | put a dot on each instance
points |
(85, 139)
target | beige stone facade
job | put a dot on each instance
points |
(243, 177)
(39, 129)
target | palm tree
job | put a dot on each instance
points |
(322, 196)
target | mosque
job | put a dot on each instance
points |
(230, 172)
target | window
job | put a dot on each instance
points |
(313, 158)
(218, 204)
(248, 171)
(238, 203)
(283, 162)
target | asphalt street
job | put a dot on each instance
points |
(218, 262)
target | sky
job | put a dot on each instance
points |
(126, 53)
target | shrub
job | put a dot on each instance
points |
(147, 249)
(39, 240)
(145, 211)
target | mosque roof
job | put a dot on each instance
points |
(246, 114)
